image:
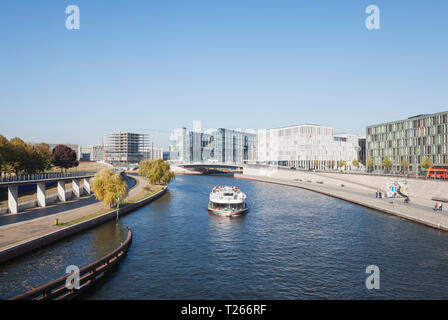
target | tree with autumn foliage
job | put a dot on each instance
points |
(64, 157)
(107, 185)
(156, 171)
(19, 157)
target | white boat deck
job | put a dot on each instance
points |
(227, 195)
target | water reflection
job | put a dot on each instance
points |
(102, 239)
(292, 244)
(223, 225)
(44, 265)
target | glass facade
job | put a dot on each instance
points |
(221, 145)
(412, 139)
(232, 146)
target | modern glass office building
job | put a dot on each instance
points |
(220, 145)
(362, 150)
(412, 139)
(306, 146)
(233, 146)
(190, 146)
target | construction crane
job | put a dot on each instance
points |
(153, 130)
(157, 131)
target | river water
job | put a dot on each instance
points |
(293, 244)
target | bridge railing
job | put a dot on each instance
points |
(45, 176)
(57, 289)
(207, 163)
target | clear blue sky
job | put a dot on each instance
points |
(233, 63)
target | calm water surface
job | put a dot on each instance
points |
(293, 244)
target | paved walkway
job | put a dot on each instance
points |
(21, 232)
(418, 210)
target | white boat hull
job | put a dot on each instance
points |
(227, 213)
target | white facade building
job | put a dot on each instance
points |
(152, 153)
(306, 146)
(94, 152)
(197, 126)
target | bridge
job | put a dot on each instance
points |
(40, 180)
(202, 166)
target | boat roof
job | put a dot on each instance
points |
(227, 194)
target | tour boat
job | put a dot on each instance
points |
(227, 201)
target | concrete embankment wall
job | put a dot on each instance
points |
(417, 188)
(435, 221)
(64, 232)
(291, 175)
(180, 170)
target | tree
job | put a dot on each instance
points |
(30, 160)
(4, 154)
(355, 163)
(387, 163)
(107, 185)
(18, 155)
(38, 158)
(404, 164)
(370, 163)
(426, 163)
(156, 171)
(64, 157)
(44, 156)
(342, 163)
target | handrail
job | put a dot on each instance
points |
(57, 289)
(45, 176)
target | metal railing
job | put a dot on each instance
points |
(88, 275)
(45, 176)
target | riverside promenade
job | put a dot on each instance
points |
(418, 210)
(15, 234)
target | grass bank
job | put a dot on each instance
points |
(148, 191)
(83, 166)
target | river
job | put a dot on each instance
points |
(293, 244)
